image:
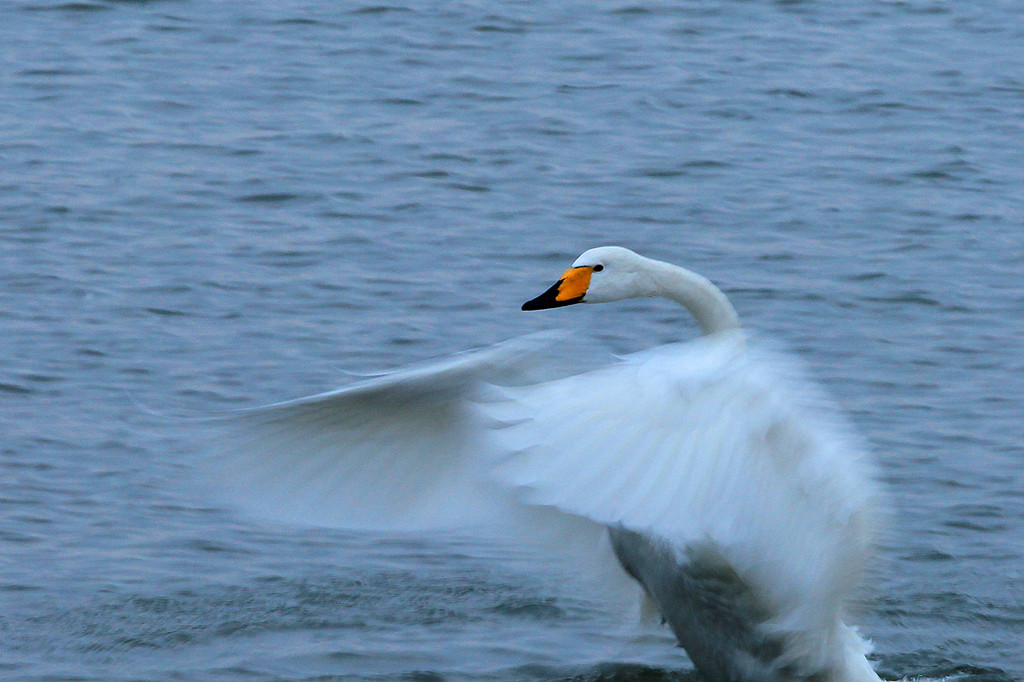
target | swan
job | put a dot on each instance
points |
(740, 506)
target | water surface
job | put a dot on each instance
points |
(213, 205)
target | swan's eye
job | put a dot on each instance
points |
(598, 268)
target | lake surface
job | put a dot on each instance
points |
(213, 205)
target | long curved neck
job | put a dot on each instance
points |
(706, 302)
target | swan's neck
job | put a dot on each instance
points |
(704, 300)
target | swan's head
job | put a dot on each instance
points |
(607, 273)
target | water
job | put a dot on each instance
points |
(211, 205)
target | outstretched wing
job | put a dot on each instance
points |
(696, 443)
(403, 450)
(703, 442)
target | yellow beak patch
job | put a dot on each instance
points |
(574, 283)
(567, 290)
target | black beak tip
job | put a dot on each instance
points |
(549, 299)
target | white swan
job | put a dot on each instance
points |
(741, 507)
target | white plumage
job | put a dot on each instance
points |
(742, 506)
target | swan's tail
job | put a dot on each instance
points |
(854, 665)
(841, 656)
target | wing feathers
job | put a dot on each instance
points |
(707, 443)
(402, 450)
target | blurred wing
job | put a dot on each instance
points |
(699, 442)
(403, 450)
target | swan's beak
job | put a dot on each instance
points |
(569, 289)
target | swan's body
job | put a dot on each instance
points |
(741, 509)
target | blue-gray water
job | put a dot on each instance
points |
(207, 205)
